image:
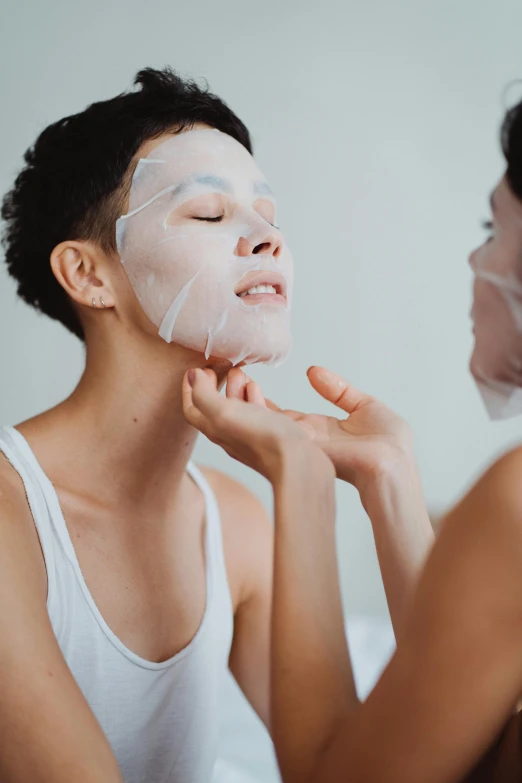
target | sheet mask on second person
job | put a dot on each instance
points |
(496, 363)
(199, 231)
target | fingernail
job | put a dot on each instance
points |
(191, 377)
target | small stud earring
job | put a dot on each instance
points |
(93, 302)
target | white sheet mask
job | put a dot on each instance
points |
(185, 271)
(496, 363)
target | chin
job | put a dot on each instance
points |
(484, 365)
(269, 352)
(271, 349)
(476, 365)
(478, 360)
(472, 363)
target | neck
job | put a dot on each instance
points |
(124, 422)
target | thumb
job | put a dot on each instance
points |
(335, 389)
(201, 399)
(205, 395)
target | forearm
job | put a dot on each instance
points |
(402, 531)
(312, 682)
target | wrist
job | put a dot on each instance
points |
(394, 483)
(304, 492)
(300, 461)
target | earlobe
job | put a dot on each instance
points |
(81, 274)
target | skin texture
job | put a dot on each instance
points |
(116, 451)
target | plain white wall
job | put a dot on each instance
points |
(376, 123)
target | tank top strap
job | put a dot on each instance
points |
(18, 453)
(52, 529)
(214, 539)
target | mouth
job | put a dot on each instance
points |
(262, 288)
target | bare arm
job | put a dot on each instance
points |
(312, 683)
(48, 734)
(402, 532)
(373, 450)
(312, 639)
(457, 672)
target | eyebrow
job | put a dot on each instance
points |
(260, 188)
(214, 182)
(210, 180)
(492, 202)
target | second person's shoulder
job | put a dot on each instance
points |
(496, 498)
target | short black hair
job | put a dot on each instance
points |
(74, 183)
(511, 138)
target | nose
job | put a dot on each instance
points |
(270, 245)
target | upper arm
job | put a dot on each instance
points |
(248, 545)
(48, 733)
(457, 672)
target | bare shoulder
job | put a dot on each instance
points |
(492, 509)
(247, 533)
(501, 486)
(508, 467)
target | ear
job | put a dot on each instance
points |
(82, 270)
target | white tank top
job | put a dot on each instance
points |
(161, 719)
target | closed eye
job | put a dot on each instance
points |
(210, 219)
(219, 218)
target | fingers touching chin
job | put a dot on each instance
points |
(236, 382)
(254, 394)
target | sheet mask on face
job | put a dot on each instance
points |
(198, 232)
(496, 363)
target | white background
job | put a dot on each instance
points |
(377, 125)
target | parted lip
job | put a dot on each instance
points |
(253, 279)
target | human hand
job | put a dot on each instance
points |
(244, 427)
(372, 449)
(370, 442)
